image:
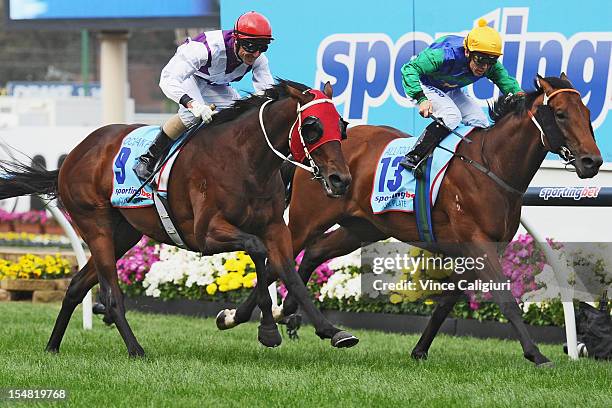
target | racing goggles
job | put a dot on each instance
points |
(483, 59)
(252, 47)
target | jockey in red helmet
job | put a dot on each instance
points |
(200, 72)
(253, 33)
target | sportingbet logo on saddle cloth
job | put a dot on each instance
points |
(125, 182)
(394, 187)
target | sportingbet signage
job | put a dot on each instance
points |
(361, 46)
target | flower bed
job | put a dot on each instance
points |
(25, 239)
(35, 267)
(169, 273)
(35, 222)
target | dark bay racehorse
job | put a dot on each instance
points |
(471, 207)
(226, 194)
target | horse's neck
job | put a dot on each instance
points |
(277, 119)
(513, 151)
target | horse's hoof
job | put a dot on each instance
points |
(344, 339)
(547, 364)
(52, 350)
(418, 355)
(226, 319)
(138, 352)
(269, 336)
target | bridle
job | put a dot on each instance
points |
(313, 168)
(557, 147)
(555, 143)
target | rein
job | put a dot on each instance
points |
(487, 171)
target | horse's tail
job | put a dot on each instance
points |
(287, 171)
(19, 179)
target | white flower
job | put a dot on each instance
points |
(341, 285)
(352, 259)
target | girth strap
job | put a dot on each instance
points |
(163, 210)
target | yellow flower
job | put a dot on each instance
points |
(231, 265)
(429, 302)
(395, 298)
(211, 289)
(249, 280)
(223, 288)
(248, 262)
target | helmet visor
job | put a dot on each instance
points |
(253, 46)
(482, 60)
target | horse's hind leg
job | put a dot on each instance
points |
(80, 284)
(100, 227)
(339, 242)
(444, 307)
(125, 238)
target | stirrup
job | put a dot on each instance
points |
(417, 170)
(409, 164)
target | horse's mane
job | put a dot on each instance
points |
(276, 92)
(519, 104)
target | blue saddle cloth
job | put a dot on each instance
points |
(394, 187)
(125, 182)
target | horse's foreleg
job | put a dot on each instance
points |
(80, 284)
(268, 333)
(338, 242)
(278, 242)
(443, 308)
(506, 302)
(224, 237)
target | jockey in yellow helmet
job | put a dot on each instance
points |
(435, 79)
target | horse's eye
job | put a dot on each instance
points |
(560, 114)
(312, 129)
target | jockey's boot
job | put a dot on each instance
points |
(170, 131)
(429, 139)
(145, 164)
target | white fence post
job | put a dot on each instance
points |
(80, 256)
(558, 262)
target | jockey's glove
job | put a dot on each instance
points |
(201, 110)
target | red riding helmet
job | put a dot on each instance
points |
(253, 26)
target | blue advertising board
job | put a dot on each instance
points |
(360, 47)
(70, 9)
(109, 14)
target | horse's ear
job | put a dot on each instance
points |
(565, 78)
(327, 90)
(543, 84)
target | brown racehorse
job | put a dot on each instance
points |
(471, 207)
(226, 194)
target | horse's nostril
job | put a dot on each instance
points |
(336, 181)
(590, 162)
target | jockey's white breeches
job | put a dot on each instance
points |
(221, 95)
(455, 107)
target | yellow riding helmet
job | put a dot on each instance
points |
(484, 39)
